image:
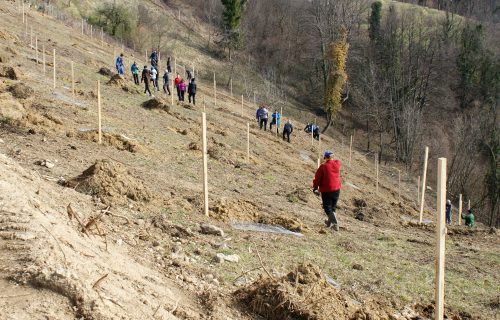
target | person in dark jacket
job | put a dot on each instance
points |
(166, 82)
(192, 91)
(327, 182)
(315, 129)
(154, 58)
(287, 130)
(308, 128)
(146, 78)
(169, 66)
(263, 116)
(189, 74)
(448, 212)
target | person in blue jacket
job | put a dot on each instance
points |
(135, 72)
(276, 119)
(119, 65)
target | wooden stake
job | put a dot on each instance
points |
(43, 58)
(418, 190)
(319, 163)
(102, 36)
(312, 136)
(205, 163)
(99, 130)
(147, 56)
(72, 79)
(376, 173)
(36, 50)
(399, 186)
(24, 19)
(54, 68)
(82, 26)
(231, 86)
(422, 199)
(31, 37)
(203, 103)
(26, 29)
(468, 205)
(248, 142)
(460, 210)
(350, 151)
(91, 31)
(440, 239)
(241, 106)
(175, 66)
(172, 91)
(215, 91)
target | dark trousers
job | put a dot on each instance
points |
(136, 78)
(182, 93)
(287, 134)
(271, 126)
(192, 95)
(263, 124)
(316, 136)
(330, 200)
(178, 93)
(146, 88)
(166, 88)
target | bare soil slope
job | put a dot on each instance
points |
(113, 231)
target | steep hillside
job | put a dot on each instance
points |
(116, 230)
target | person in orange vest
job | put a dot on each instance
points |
(327, 184)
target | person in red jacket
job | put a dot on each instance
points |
(327, 181)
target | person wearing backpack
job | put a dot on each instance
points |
(146, 77)
(192, 91)
(327, 184)
(287, 130)
(135, 72)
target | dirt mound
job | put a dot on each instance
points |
(10, 108)
(117, 80)
(111, 182)
(302, 294)
(106, 72)
(9, 72)
(156, 103)
(306, 294)
(112, 139)
(301, 194)
(228, 210)
(292, 224)
(21, 91)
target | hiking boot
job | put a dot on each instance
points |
(336, 227)
(328, 223)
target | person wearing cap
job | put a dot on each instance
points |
(448, 212)
(327, 182)
(469, 218)
(287, 130)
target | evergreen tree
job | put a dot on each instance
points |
(231, 20)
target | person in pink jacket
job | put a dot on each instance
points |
(182, 90)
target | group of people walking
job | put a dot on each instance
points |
(150, 76)
(262, 116)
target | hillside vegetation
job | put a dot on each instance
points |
(116, 230)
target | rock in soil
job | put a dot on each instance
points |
(21, 91)
(220, 258)
(9, 72)
(211, 229)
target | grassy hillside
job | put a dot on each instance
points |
(148, 242)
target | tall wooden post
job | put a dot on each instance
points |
(468, 205)
(102, 36)
(36, 50)
(99, 130)
(248, 142)
(203, 103)
(72, 79)
(54, 63)
(399, 186)
(424, 178)
(440, 239)
(43, 58)
(205, 163)
(146, 56)
(460, 210)
(91, 31)
(231, 86)
(31, 37)
(376, 174)
(82, 27)
(241, 106)
(175, 66)
(312, 135)
(172, 92)
(350, 151)
(319, 162)
(418, 190)
(24, 19)
(215, 91)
